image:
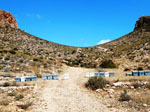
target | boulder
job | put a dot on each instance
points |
(143, 24)
(118, 84)
(6, 19)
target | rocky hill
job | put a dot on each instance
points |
(24, 52)
(133, 47)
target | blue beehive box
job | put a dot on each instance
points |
(44, 77)
(102, 74)
(17, 79)
(55, 77)
(147, 73)
(34, 78)
(141, 73)
(111, 74)
(135, 73)
(28, 79)
(96, 74)
(31, 78)
(49, 77)
(128, 74)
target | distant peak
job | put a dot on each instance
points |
(6, 19)
(143, 23)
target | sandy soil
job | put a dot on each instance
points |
(70, 95)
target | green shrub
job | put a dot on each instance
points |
(7, 57)
(147, 48)
(147, 86)
(25, 106)
(96, 83)
(12, 94)
(5, 51)
(6, 84)
(139, 68)
(126, 69)
(75, 62)
(25, 84)
(12, 52)
(35, 59)
(1, 67)
(38, 75)
(73, 52)
(4, 102)
(88, 65)
(14, 83)
(124, 96)
(108, 64)
(83, 64)
(18, 97)
(15, 49)
(136, 85)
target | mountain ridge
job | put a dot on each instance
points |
(17, 46)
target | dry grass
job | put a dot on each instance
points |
(141, 96)
(25, 105)
(124, 96)
(9, 99)
(4, 109)
(4, 102)
(12, 93)
(19, 97)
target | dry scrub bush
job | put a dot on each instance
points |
(124, 96)
(96, 83)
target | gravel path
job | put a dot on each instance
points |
(70, 95)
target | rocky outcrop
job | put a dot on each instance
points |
(6, 19)
(143, 23)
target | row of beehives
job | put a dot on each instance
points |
(50, 77)
(101, 74)
(34, 78)
(139, 73)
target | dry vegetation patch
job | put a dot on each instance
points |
(17, 95)
(130, 95)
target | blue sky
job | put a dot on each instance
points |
(77, 22)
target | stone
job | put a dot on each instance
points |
(19, 103)
(143, 24)
(9, 91)
(19, 110)
(113, 87)
(144, 83)
(107, 85)
(144, 105)
(118, 84)
(104, 89)
(6, 19)
(110, 96)
(111, 91)
(132, 87)
(98, 90)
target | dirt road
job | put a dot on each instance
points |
(70, 95)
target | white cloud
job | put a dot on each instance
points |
(104, 41)
(37, 16)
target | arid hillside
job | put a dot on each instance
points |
(25, 52)
(133, 47)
